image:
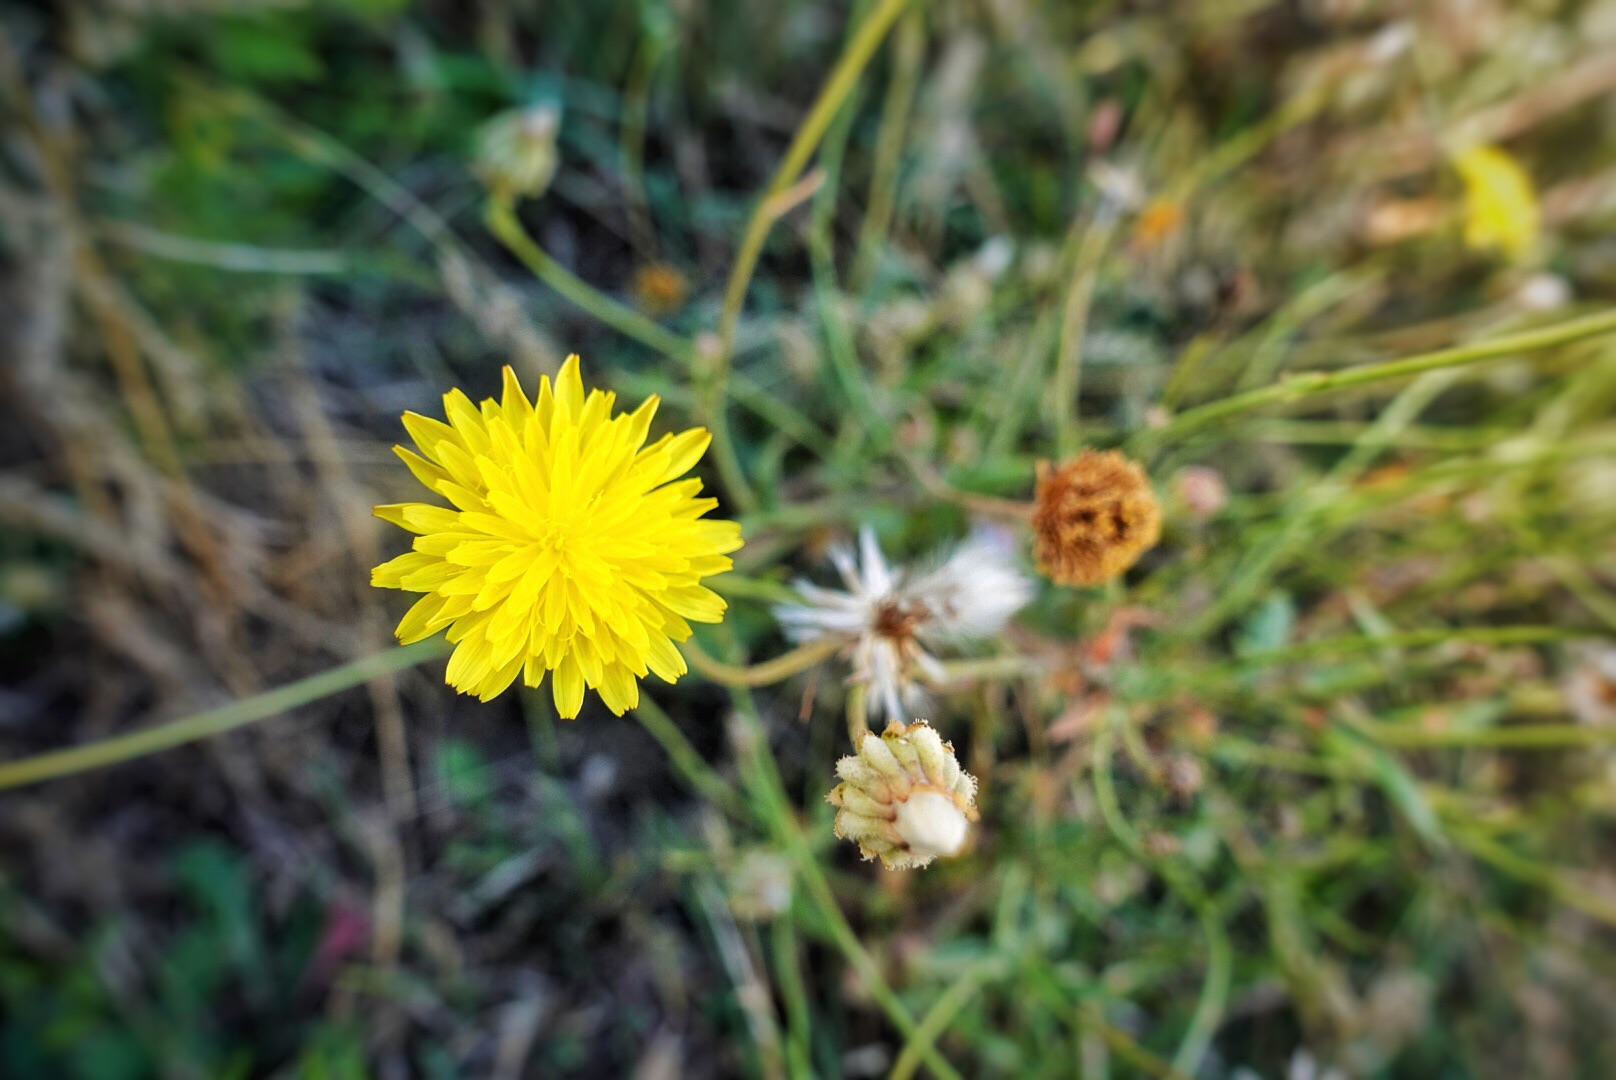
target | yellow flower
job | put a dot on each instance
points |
(570, 548)
(1500, 205)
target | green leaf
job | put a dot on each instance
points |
(263, 50)
(1268, 627)
(463, 772)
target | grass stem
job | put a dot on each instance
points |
(1304, 385)
(121, 748)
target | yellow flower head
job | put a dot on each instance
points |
(1500, 205)
(570, 549)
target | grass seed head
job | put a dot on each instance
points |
(892, 618)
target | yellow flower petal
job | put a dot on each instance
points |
(1501, 209)
(567, 687)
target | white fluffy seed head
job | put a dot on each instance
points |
(890, 617)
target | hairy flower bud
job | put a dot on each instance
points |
(1093, 516)
(516, 151)
(904, 797)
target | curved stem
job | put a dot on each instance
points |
(909, 48)
(987, 505)
(842, 79)
(783, 192)
(761, 775)
(859, 957)
(201, 725)
(715, 364)
(982, 669)
(1555, 881)
(1208, 1014)
(500, 215)
(782, 667)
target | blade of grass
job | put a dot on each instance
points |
(1214, 996)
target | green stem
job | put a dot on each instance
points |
(687, 760)
(237, 714)
(908, 50)
(1517, 736)
(982, 669)
(781, 667)
(940, 1015)
(1296, 387)
(841, 82)
(1552, 880)
(1128, 1049)
(794, 995)
(863, 963)
(1209, 1007)
(769, 793)
(778, 198)
(500, 216)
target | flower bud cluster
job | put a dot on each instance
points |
(904, 797)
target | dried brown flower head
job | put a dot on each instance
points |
(1093, 516)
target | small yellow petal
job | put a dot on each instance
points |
(567, 687)
(665, 659)
(619, 690)
(428, 433)
(569, 390)
(426, 472)
(413, 627)
(391, 574)
(687, 449)
(513, 402)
